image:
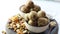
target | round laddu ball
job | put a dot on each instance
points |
(32, 23)
(26, 17)
(33, 15)
(25, 9)
(29, 4)
(43, 21)
(41, 14)
(36, 8)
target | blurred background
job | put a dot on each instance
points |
(54, 0)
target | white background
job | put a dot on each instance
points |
(8, 8)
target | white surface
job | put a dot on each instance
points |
(9, 8)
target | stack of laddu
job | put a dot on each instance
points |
(34, 15)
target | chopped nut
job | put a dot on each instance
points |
(15, 19)
(13, 23)
(11, 26)
(3, 32)
(18, 25)
(20, 18)
(15, 29)
(18, 15)
(22, 21)
(14, 26)
(23, 25)
(25, 31)
(18, 31)
(9, 21)
(52, 23)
